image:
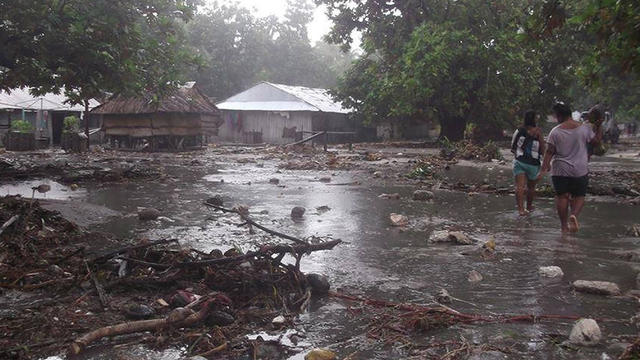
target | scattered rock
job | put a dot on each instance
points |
(422, 195)
(319, 284)
(596, 287)
(585, 332)
(394, 196)
(220, 318)
(148, 214)
(443, 297)
(398, 220)
(474, 277)
(138, 312)
(456, 237)
(460, 238)
(320, 354)
(278, 320)
(274, 181)
(233, 252)
(617, 348)
(377, 174)
(325, 179)
(216, 200)
(323, 209)
(298, 212)
(550, 271)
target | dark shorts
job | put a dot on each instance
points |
(576, 186)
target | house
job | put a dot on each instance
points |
(46, 113)
(185, 118)
(280, 114)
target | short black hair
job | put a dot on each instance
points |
(530, 118)
(562, 111)
(596, 113)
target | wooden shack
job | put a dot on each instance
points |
(182, 120)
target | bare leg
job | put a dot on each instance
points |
(521, 187)
(577, 203)
(562, 206)
(531, 194)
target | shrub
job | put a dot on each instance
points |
(21, 126)
(71, 124)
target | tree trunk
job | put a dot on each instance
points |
(86, 122)
(452, 128)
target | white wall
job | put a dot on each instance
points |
(270, 124)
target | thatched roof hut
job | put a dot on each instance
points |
(186, 115)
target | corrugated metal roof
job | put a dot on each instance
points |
(262, 97)
(22, 99)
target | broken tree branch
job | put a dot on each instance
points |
(265, 252)
(307, 139)
(180, 317)
(251, 222)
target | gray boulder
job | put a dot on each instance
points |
(148, 214)
(596, 287)
(422, 195)
(298, 212)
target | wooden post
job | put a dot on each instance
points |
(86, 123)
(326, 140)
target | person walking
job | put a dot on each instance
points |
(567, 158)
(528, 146)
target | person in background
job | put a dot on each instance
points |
(528, 146)
(567, 158)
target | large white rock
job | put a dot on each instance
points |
(550, 271)
(585, 332)
(596, 287)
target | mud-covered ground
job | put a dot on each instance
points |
(342, 193)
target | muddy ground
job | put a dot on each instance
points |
(341, 191)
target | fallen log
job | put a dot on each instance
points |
(253, 223)
(181, 317)
(265, 251)
(307, 139)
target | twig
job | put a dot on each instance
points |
(251, 222)
(264, 252)
(104, 300)
(8, 223)
(115, 253)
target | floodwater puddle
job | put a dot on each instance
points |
(34, 188)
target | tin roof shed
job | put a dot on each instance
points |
(19, 99)
(276, 97)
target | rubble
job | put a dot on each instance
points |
(320, 354)
(298, 212)
(148, 214)
(474, 277)
(422, 195)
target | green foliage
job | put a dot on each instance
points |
(88, 47)
(71, 124)
(240, 49)
(21, 126)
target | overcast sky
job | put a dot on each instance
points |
(317, 29)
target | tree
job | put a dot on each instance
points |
(86, 48)
(240, 49)
(455, 62)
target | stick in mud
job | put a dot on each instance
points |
(251, 222)
(13, 219)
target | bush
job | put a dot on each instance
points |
(71, 124)
(21, 126)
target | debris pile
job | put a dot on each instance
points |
(77, 297)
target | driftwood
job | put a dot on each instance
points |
(307, 139)
(248, 220)
(181, 317)
(104, 299)
(264, 252)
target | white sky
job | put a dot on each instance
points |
(317, 29)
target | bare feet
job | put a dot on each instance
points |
(523, 212)
(574, 226)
